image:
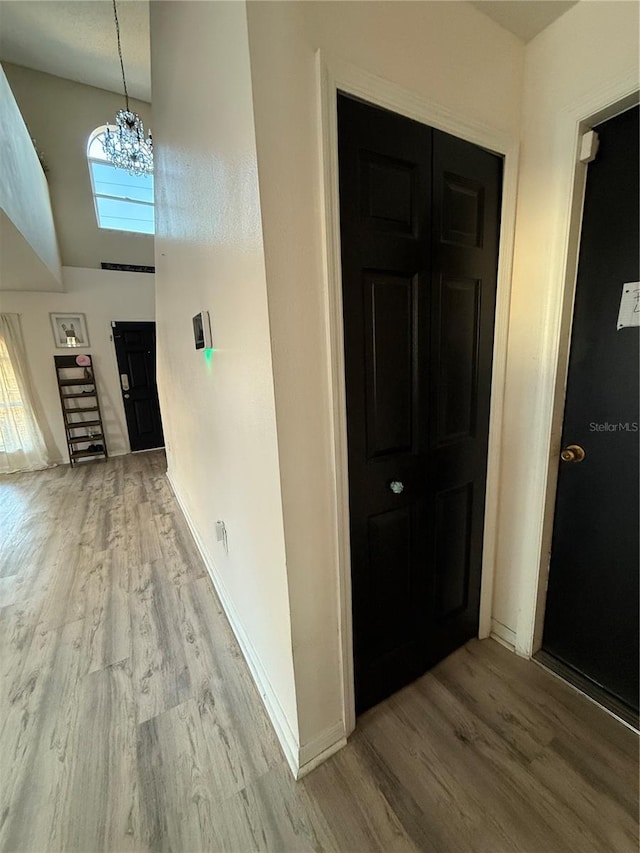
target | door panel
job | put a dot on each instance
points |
(459, 334)
(385, 190)
(419, 227)
(135, 345)
(591, 620)
(145, 421)
(467, 185)
(389, 364)
(454, 512)
(462, 211)
(389, 188)
(138, 369)
(389, 538)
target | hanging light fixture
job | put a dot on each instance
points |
(125, 145)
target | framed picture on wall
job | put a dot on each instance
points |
(69, 330)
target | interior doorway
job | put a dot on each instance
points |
(591, 619)
(135, 345)
(419, 221)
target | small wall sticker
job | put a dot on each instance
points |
(629, 314)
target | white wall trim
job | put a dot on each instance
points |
(284, 732)
(503, 635)
(332, 75)
(321, 747)
(611, 98)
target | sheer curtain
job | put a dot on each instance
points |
(22, 446)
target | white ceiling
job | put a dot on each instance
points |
(524, 18)
(76, 38)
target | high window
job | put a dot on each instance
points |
(123, 202)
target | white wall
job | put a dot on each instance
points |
(103, 296)
(218, 411)
(27, 233)
(220, 416)
(60, 115)
(584, 61)
(448, 53)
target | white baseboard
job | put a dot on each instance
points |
(286, 736)
(321, 747)
(503, 635)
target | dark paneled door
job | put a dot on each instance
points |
(135, 344)
(419, 226)
(591, 620)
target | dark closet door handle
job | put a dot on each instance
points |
(573, 453)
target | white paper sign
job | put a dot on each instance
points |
(629, 305)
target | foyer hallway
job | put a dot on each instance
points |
(130, 722)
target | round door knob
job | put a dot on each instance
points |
(126, 396)
(573, 453)
(396, 487)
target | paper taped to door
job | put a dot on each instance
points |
(629, 314)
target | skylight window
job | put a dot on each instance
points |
(123, 202)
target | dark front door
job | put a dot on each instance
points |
(419, 226)
(591, 620)
(135, 345)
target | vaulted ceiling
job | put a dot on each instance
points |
(76, 38)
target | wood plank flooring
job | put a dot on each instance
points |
(130, 722)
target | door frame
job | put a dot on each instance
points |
(335, 75)
(576, 120)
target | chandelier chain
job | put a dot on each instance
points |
(124, 80)
(126, 146)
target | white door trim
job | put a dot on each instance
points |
(333, 75)
(612, 98)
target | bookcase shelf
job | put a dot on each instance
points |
(89, 445)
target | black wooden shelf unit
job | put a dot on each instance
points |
(85, 435)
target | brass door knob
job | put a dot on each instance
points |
(573, 453)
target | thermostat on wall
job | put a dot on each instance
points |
(202, 330)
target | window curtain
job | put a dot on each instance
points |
(22, 445)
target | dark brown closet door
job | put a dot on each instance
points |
(419, 227)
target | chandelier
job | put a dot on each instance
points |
(125, 145)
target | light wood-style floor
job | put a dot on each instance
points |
(130, 722)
